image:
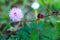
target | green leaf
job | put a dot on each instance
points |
(41, 2)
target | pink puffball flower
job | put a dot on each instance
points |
(15, 14)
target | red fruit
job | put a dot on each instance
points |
(40, 15)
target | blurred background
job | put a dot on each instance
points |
(40, 21)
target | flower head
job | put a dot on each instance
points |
(15, 14)
(35, 5)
